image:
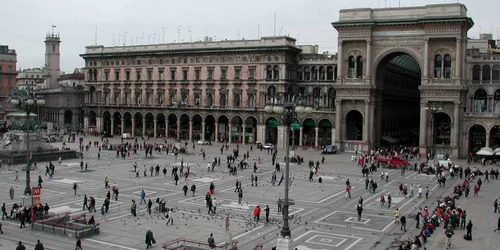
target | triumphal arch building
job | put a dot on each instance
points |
(401, 75)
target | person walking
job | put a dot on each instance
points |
(419, 191)
(85, 202)
(185, 189)
(106, 182)
(389, 199)
(150, 240)
(170, 216)
(4, 211)
(40, 181)
(78, 244)
(240, 196)
(133, 209)
(103, 212)
(449, 233)
(469, 230)
(256, 214)
(150, 204)
(17, 176)
(267, 210)
(215, 204)
(193, 189)
(75, 187)
(320, 181)
(143, 197)
(382, 201)
(396, 216)
(359, 208)
(20, 246)
(39, 245)
(403, 223)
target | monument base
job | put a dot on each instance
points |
(283, 243)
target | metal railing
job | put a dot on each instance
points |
(174, 244)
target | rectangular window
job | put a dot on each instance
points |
(127, 75)
(172, 74)
(150, 75)
(10, 68)
(223, 74)
(237, 73)
(210, 74)
(138, 74)
(251, 74)
(117, 75)
(160, 75)
(184, 75)
(197, 74)
(106, 75)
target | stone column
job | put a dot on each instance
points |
(203, 130)
(243, 136)
(112, 130)
(143, 127)
(190, 130)
(216, 136)
(154, 128)
(86, 124)
(423, 143)
(166, 127)
(340, 61)
(261, 130)
(458, 60)
(456, 127)
(368, 58)
(366, 125)
(98, 125)
(426, 58)
(333, 135)
(178, 129)
(122, 126)
(316, 137)
(301, 134)
(228, 134)
(133, 127)
(338, 121)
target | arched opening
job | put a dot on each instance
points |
(127, 122)
(250, 133)
(184, 131)
(317, 98)
(68, 118)
(236, 101)
(307, 74)
(331, 98)
(272, 95)
(447, 66)
(197, 100)
(160, 125)
(210, 128)
(92, 122)
(359, 67)
(276, 72)
(117, 123)
(300, 74)
(399, 76)
(496, 101)
(322, 73)
(236, 132)
(308, 132)
(106, 128)
(325, 132)
(210, 100)
(438, 63)
(150, 125)
(486, 73)
(352, 67)
(138, 124)
(476, 74)
(269, 72)
(223, 100)
(271, 130)
(442, 134)
(496, 74)
(92, 98)
(495, 137)
(172, 126)
(314, 73)
(197, 127)
(480, 104)
(329, 73)
(477, 138)
(354, 126)
(251, 100)
(222, 124)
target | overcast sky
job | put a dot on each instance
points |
(25, 22)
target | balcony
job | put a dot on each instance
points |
(492, 115)
(185, 82)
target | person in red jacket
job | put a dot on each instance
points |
(256, 214)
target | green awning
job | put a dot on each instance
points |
(325, 123)
(272, 123)
(309, 123)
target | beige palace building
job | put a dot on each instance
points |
(407, 75)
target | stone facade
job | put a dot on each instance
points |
(8, 61)
(211, 90)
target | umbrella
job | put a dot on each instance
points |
(486, 151)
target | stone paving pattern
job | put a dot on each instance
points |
(323, 218)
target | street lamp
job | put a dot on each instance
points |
(27, 101)
(434, 107)
(288, 111)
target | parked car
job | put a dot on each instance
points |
(203, 142)
(268, 146)
(330, 149)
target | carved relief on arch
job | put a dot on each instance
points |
(443, 50)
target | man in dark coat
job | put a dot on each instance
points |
(150, 240)
(20, 246)
(39, 245)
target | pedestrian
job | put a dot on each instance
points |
(17, 176)
(320, 180)
(469, 230)
(348, 191)
(359, 208)
(78, 244)
(211, 241)
(143, 197)
(39, 245)
(133, 209)
(20, 246)
(382, 201)
(185, 189)
(11, 193)
(103, 212)
(256, 214)
(417, 218)
(75, 186)
(170, 216)
(85, 202)
(106, 182)
(389, 200)
(4, 211)
(150, 240)
(215, 204)
(396, 216)
(40, 181)
(267, 210)
(419, 191)
(193, 188)
(426, 192)
(150, 204)
(449, 233)
(240, 196)
(403, 222)
(1, 231)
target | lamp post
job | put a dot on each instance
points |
(27, 101)
(434, 107)
(288, 111)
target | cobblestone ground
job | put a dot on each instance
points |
(323, 218)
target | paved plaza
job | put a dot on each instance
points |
(322, 218)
